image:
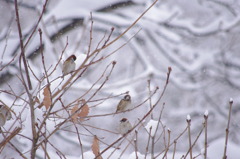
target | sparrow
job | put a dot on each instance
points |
(125, 126)
(69, 65)
(5, 114)
(124, 103)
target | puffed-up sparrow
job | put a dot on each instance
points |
(69, 65)
(124, 104)
(125, 126)
(5, 114)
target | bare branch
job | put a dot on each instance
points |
(227, 129)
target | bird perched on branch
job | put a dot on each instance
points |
(69, 65)
(124, 103)
(125, 126)
(5, 114)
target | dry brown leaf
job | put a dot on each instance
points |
(95, 147)
(74, 117)
(47, 102)
(84, 112)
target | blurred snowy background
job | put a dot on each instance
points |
(199, 39)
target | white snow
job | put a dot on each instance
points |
(206, 113)
(215, 149)
(80, 58)
(151, 126)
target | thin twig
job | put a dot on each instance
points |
(227, 129)
(174, 149)
(189, 137)
(205, 135)
(7, 139)
(22, 47)
(43, 61)
(149, 137)
(79, 140)
(91, 38)
(136, 145)
(48, 85)
(159, 121)
(195, 141)
(150, 100)
(168, 145)
(109, 36)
